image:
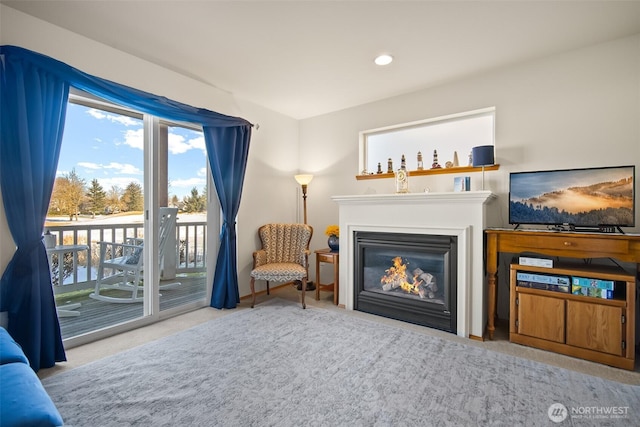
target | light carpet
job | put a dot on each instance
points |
(280, 365)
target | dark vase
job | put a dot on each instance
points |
(334, 243)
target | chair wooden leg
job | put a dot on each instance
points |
(253, 292)
(304, 287)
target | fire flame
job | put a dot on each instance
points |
(396, 277)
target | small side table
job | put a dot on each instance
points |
(67, 310)
(329, 257)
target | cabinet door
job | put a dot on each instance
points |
(594, 326)
(541, 317)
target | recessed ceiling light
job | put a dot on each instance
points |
(383, 59)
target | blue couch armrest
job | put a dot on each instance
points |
(10, 351)
(23, 399)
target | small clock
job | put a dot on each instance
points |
(402, 181)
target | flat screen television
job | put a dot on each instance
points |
(591, 198)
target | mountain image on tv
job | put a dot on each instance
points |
(580, 197)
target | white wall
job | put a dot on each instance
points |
(577, 109)
(270, 192)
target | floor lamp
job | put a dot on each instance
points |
(304, 181)
(482, 156)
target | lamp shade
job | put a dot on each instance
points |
(482, 155)
(303, 179)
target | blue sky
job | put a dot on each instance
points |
(108, 147)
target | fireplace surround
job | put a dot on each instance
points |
(463, 215)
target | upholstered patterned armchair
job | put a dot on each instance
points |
(284, 256)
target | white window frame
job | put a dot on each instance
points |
(429, 146)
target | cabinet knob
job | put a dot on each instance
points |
(567, 243)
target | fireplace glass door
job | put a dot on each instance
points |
(409, 277)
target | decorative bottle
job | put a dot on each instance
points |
(389, 165)
(420, 164)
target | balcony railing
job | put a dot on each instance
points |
(78, 271)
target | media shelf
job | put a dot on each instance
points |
(592, 328)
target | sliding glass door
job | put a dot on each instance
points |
(115, 262)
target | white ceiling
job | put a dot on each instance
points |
(306, 58)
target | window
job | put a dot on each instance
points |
(440, 139)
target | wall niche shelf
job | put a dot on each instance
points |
(459, 169)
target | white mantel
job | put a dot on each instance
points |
(461, 214)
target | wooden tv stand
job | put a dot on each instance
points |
(621, 247)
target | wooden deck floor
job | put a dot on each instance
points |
(96, 314)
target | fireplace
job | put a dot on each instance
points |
(408, 277)
(460, 217)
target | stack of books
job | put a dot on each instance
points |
(576, 285)
(592, 287)
(543, 281)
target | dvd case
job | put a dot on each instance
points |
(593, 283)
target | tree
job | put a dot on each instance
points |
(68, 195)
(76, 191)
(96, 198)
(195, 202)
(113, 203)
(58, 204)
(132, 198)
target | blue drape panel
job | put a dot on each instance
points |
(228, 150)
(34, 96)
(33, 106)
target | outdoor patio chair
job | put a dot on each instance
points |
(121, 264)
(284, 256)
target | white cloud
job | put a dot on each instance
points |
(202, 172)
(114, 118)
(118, 181)
(189, 183)
(89, 165)
(134, 138)
(178, 145)
(96, 114)
(124, 168)
(199, 144)
(119, 168)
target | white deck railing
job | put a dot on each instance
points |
(191, 238)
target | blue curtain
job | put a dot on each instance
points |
(228, 150)
(33, 106)
(34, 97)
